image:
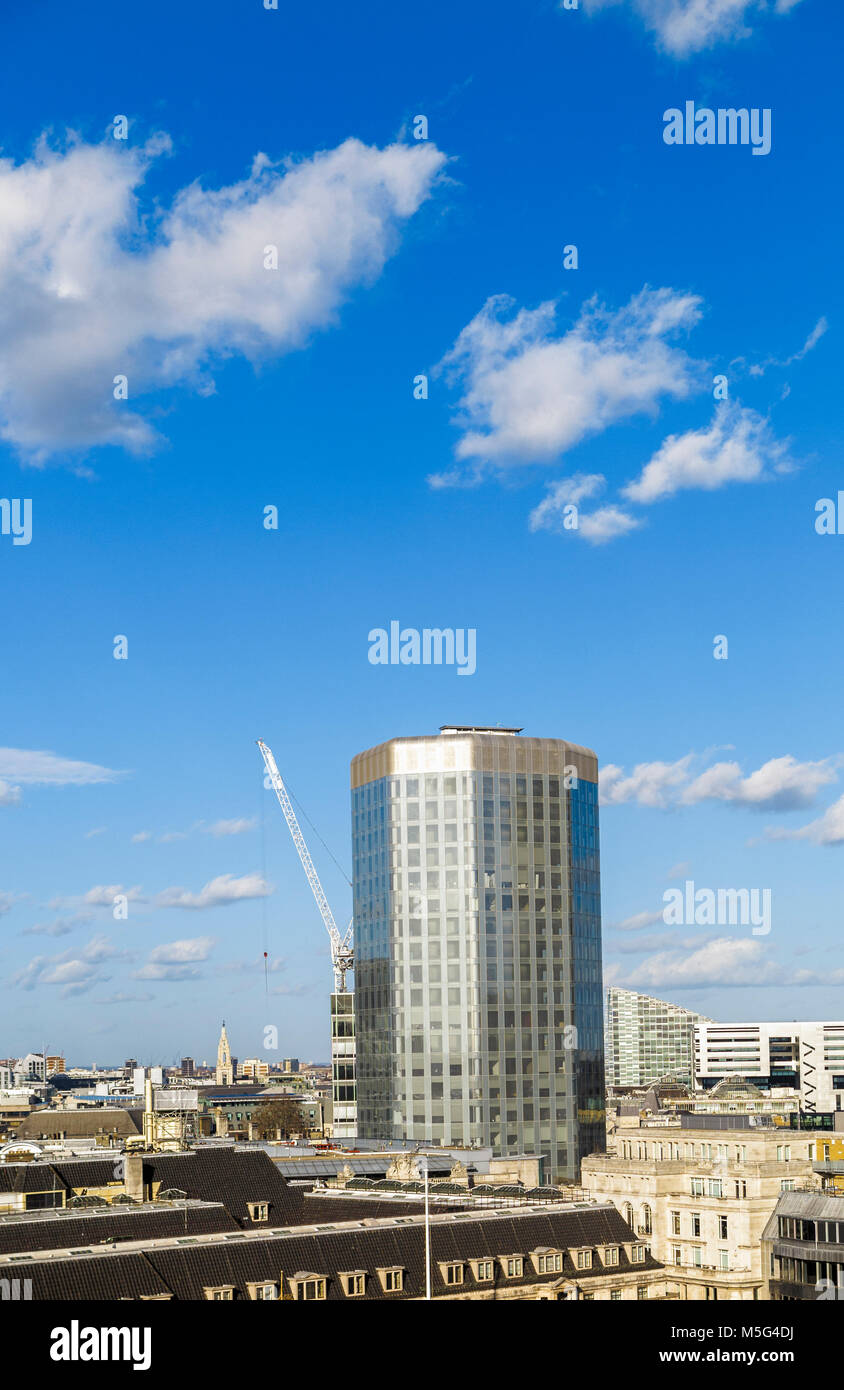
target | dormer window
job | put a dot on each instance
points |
(452, 1273)
(354, 1282)
(610, 1254)
(483, 1270)
(584, 1259)
(547, 1261)
(392, 1279)
(222, 1293)
(258, 1211)
(512, 1266)
(262, 1293)
(308, 1287)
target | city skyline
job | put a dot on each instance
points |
(441, 507)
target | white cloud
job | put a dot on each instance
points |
(29, 767)
(827, 830)
(104, 894)
(60, 926)
(738, 446)
(223, 889)
(75, 970)
(718, 961)
(722, 961)
(530, 394)
(781, 784)
(649, 784)
(638, 921)
(684, 27)
(93, 285)
(176, 960)
(759, 368)
(237, 826)
(597, 527)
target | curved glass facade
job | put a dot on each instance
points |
(478, 945)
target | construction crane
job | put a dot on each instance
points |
(342, 950)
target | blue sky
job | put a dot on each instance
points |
(252, 387)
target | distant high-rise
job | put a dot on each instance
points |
(648, 1039)
(187, 1066)
(225, 1068)
(478, 944)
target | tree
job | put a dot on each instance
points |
(277, 1118)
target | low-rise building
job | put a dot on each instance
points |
(700, 1190)
(803, 1247)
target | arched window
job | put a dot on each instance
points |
(627, 1213)
(647, 1220)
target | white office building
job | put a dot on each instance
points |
(805, 1057)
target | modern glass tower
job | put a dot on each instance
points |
(648, 1039)
(478, 991)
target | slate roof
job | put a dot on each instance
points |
(185, 1271)
(65, 1230)
(81, 1124)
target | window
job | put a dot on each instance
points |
(262, 1293)
(452, 1274)
(722, 1228)
(697, 1187)
(741, 1188)
(783, 1153)
(641, 1292)
(259, 1211)
(309, 1287)
(647, 1220)
(697, 1257)
(676, 1255)
(218, 1295)
(549, 1262)
(615, 1295)
(392, 1280)
(611, 1255)
(354, 1282)
(723, 1259)
(675, 1223)
(584, 1259)
(483, 1270)
(696, 1224)
(637, 1254)
(512, 1266)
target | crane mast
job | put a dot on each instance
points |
(343, 1040)
(342, 951)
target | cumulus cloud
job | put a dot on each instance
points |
(223, 889)
(30, 767)
(737, 447)
(720, 961)
(59, 926)
(781, 784)
(827, 830)
(559, 511)
(75, 970)
(99, 286)
(531, 393)
(649, 784)
(176, 960)
(684, 27)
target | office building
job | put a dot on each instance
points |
(478, 944)
(647, 1039)
(805, 1057)
(803, 1248)
(700, 1192)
